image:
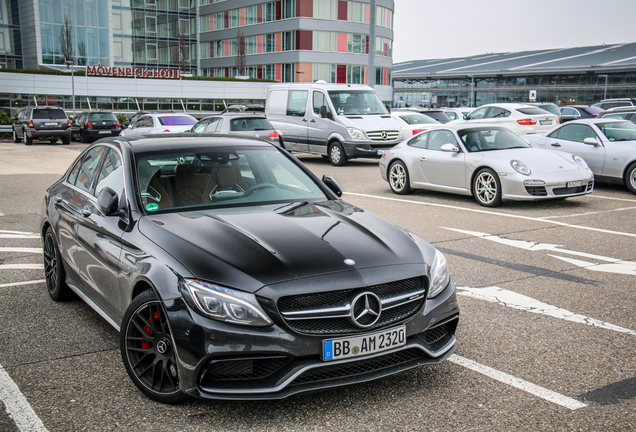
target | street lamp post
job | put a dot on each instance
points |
(303, 73)
(69, 63)
(604, 91)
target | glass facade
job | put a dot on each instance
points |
(10, 49)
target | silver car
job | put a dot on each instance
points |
(240, 123)
(489, 162)
(607, 145)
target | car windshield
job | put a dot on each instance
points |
(102, 117)
(221, 177)
(49, 114)
(618, 131)
(177, 120)
(356, 102)
(250, 124)
(552, 109)
(415, 118)
(532, 110)
(488, 139)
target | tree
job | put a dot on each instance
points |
(184, 53)
(66, 41)
(240, 53)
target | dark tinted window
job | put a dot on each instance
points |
(531, 111)
(249, 124)
(102, 117)
(87, 168)
(111, 175)
(45, 114)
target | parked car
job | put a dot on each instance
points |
(159, 123)
(435, 114)
(622, 113)
(616, 102)
(41, 123)
(238, 123)
(519, 118)
(576, 112)
(457, 113)
(490, 163)
(549, 107)
(233, 272)
(243, 108)
(138, 114)
(607, 145)
(92, 125)
(413, 122)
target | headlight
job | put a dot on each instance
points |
(579, 161)
(520, 167)
(226, 304)
(439, 275)
(357, 134)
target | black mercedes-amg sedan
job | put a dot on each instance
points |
(233, 272)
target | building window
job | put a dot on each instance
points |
(251, 15)
(219, 21)
(269, 12)
(288, 9)
(326, 9)
(356, 12)
(289, 41)
(250, 45)
(151, 24)
(233, 18)
(270, 43)
(151, 52)
(324, 41)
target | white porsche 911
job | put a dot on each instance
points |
(489, 162)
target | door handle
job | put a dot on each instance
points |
(305, 120)
(423, 159)
(57, 198)
(87, 211)
(313, 121)
(555, 145)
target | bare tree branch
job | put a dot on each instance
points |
(66, 41)
(184, 53)
(240, 53)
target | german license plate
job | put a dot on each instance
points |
(50, 124)
(545, 122)
(370, 343)
(381, 152)
(104, 131)
(574, 184)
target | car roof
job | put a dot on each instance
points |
(167, 141)
(250, 114)
(597, 120)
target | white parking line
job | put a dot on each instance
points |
(518, 383)
(22, 283)
(18, 407)
(21, 249)
(21, 266)
(582, 227)
(521, 302)
(18, 234)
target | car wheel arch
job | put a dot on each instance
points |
(629, 167)
(474, 174)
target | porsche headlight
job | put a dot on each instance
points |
(580, 162)
(356, 134)
(520, 167)
(226, 304)
(439, 275)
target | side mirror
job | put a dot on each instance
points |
(591, 141)
(324, 113)
(332, 184)
(451, 148)
(108, 202)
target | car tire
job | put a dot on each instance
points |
(630, 178)
(66, 140)
(16, 137)
(27, 140)
(336, 154)
(53, 140)
(54, 269)
(147, 349)
(487, 188)
(399, 179)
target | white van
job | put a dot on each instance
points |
(341, 121)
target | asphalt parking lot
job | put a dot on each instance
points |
(547, 334)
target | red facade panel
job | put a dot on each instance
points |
(341, 74)
(342, 10)
(304, 8)
(304, 40)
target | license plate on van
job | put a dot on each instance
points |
(381, 152)
(357, 346)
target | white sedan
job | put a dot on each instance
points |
(519, 118)
(607, 145)
(412, 122)
(159, 123)
(489, 162)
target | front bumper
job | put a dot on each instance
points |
(371, 149)
(553, 188)
(223, 361)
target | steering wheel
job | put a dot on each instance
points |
(258, 187)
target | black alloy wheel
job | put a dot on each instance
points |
(147, 350)
(54, 269)
(337, 155)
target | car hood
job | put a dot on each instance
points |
(250, 248)
(372, 122)
(538, 160)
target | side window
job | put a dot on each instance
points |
(297, 102)
(479, 113)
(111, 175)
(419, 141)
(213, 125)
(138, 123)
(496, 112)
(277, 101)
(438, 138)
(319, 100)
(148, 121)
(574, 132)
(200, 126)
(87, 168)
(451, 115)
(568, 111)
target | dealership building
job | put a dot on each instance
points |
(281, 40)
(565, 76)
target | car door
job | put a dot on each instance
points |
(442, 168)
(498, 116)
(296, 120)
(318, 128)
(569, 138)
(99, 236)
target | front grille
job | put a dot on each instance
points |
(221, 371)
(361, 367)
(315, 320)
(390, 135)
(569, 191)
(536, 190)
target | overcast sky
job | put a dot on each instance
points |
(429, 29)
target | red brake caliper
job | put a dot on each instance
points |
(145, 344)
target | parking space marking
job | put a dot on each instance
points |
(22, 283)
(522, 302)
(518, 383)
(589, 213)
(617, 265)
(17, 406)
(21, 249)
(582, 227)
(18, 235)
(21, 266)
(611, 198)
